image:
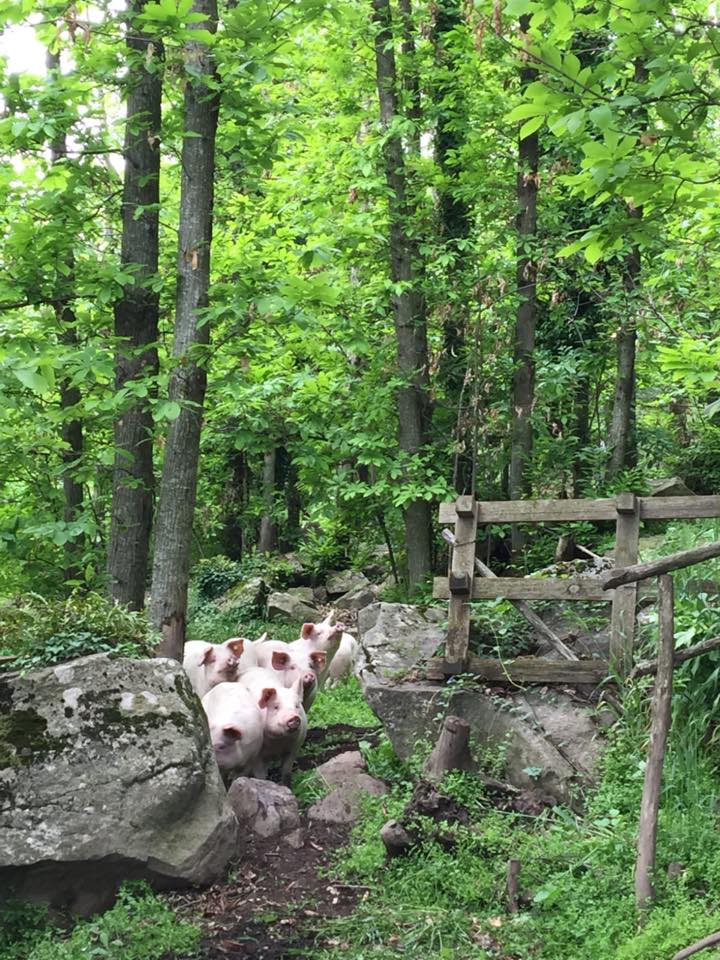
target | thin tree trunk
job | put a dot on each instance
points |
(622, 425)
(454, 215)
(70, 396)
(408, 305)
(268, 528)
(171, 563)
(523, 386)
(622, 432)
(136, 322)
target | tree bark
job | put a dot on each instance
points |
(450, 104)
(72, 427)
(523, 385)
(407, 299)
(268, 528)
(622, 426)
(661, 714)
(136, 322)
(188, 381)
(452, 750)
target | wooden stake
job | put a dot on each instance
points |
(641, 571)
(513, 871)
(624, 601)
(660, 725)
(452, 750)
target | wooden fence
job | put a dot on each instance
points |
(463, 583)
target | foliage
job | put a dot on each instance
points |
(343, 703)
(41, 632)
(138, 927)
(214, 575)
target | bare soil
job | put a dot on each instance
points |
(275, 900)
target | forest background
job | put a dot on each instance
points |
(450, 247)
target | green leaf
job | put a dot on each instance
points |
(527, 129)
(167, 410)
(601, 116)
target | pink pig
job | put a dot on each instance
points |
(236, 726)
(292, 664)
(208, 664)
(340, 646)
(284, 719)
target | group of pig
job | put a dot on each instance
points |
(256, 694)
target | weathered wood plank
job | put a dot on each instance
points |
(622, 617)
(678, 508)
(529, 588)
(532, 670)
(535, 511)
(674, 561)
(462, 568)
(543, 511)
(659, 727)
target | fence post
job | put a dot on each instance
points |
(661, 714)
(462, 571)
(624, 598)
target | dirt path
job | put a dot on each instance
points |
(275, 900)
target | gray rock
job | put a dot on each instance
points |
(298, 575)
(263, 808)
(347, 775)
(284, 606)
(395, 636)
(342, 768)
(343, 581)
(305, 594)
(320, 594)
(107, 774)
(250, 593)
(550, 744)
(670, 487)
(357, 599)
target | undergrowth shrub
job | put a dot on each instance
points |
(42, 632)
(138, 927)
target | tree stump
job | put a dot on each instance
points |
(452, 750)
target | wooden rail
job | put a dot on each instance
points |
(468, 579)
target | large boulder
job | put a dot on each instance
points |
(357, 599)
(249, 594)
(548, 741)
(395, 636)
(344, 581)
(291, 609)
(265, 809)
(107, 774)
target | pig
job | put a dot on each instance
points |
(236, 726)
(341, 647)
(291, 664)
(284, 720)
(208, 664)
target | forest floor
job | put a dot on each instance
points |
(275, 901)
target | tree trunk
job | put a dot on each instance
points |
(622, 425)
(450, 104)
(523, 386)
(408, 304)
(136, 323)
(232, 536)
(268, 527)
(72, 427)
(188, 381)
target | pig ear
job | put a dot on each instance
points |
(318, 658)
(208, 656)
(329, 618)
(262, 639)
(280, 659)
(235, 646)
(268, 694)
(233, 733)
(299, 687)
(307, 629)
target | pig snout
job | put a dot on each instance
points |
(293, 722)
(309, 679)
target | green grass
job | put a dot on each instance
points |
(342, 704)
(138, 927)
